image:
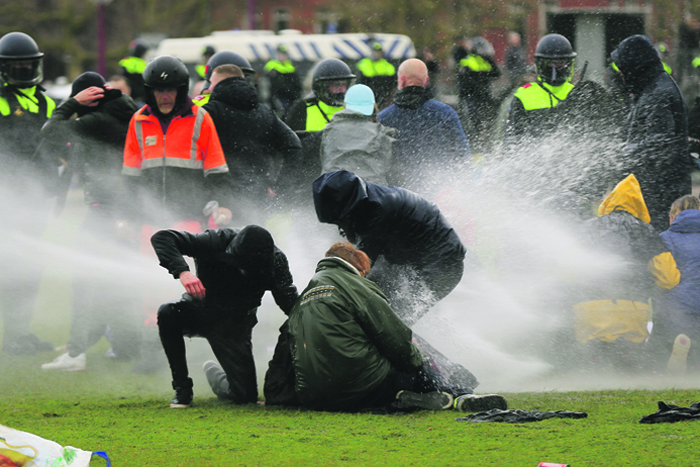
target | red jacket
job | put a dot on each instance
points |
(181, 169)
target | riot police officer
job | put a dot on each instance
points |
(25, 180)
(331, 79)
(531, 110)
(223, 58)
(132, 67)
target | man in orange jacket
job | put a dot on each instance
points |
(174, 162)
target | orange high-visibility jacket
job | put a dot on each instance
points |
(174, 165)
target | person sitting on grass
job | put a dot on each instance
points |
(350, 351)
(677, 321)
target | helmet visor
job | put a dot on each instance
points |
(24, 72)
(555, 71)
(333, 91)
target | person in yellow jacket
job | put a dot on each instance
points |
(531, 111)
(26, 182)
(285, 86)
(331, 80)
(132, 67)
(614, 306)
(378, 74)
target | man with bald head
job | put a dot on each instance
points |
(431, 139)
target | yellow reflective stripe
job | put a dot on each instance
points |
(370, 68)
(281, 67)
(614, 67)
(696, 62)
(665, 270)
(667, 68)
(201, 70)
(315, 121)
(197, 130)
(535, 97)
(476, 63)
(201, 99)
(4, 107)
(133, 64)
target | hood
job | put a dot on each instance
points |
(253, 250)
(236, 92)
(411, 97)
(638, 60)
(626, 196)
(337, 194)
(687, 221)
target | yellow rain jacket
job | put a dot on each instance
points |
(622, 316)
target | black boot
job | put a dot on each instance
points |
(183, 394)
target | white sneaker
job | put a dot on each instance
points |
(678, 361)
(65, 362)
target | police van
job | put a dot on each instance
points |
(304, 50)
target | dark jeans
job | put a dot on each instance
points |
(229, 334)
(412, 291)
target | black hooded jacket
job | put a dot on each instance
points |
(392, 222)
(252, 136)
(96, 140)
(219, 255)
(656, 130)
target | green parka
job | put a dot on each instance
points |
(344, 338)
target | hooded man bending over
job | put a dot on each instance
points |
(234, 269)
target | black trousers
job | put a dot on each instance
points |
(229, 334)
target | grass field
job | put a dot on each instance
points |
(109, 408)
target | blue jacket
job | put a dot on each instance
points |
(683, 240)
(430, 135)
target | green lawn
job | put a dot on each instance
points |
(109, 408)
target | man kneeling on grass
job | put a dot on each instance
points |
(350, 351)
(234, 269)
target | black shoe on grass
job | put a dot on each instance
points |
(480, 402)
(183, 394)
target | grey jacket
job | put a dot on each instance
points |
(354, 143)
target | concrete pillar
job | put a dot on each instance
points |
(590, 45)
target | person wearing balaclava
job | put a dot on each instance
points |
(656, 134)
(95, 141)
(234, 269)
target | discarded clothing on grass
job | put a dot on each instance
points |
(519, 416)
(668, 413)
(19, 448)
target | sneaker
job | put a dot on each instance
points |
(428, 401)
(183, 394)
(679, 356)
(216, 377)
(480, 403)
(65, 362)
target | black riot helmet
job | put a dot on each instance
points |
(137, 48)
(227, 58)
(326, 73)
(554, 59)
(20, 60)
(164, 72)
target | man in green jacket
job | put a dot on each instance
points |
(350, 351)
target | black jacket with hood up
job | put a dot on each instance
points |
(657, 128)
(96, 140)
(392, 222)
(219, 255)
(252, 136)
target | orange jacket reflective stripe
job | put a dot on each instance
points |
(190, 142)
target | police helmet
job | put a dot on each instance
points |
(482, 47)
(327, 71)
(227, 58)
(208, 51)
(163, 72)
(20, 60)
(137, 48)
(554, 59)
